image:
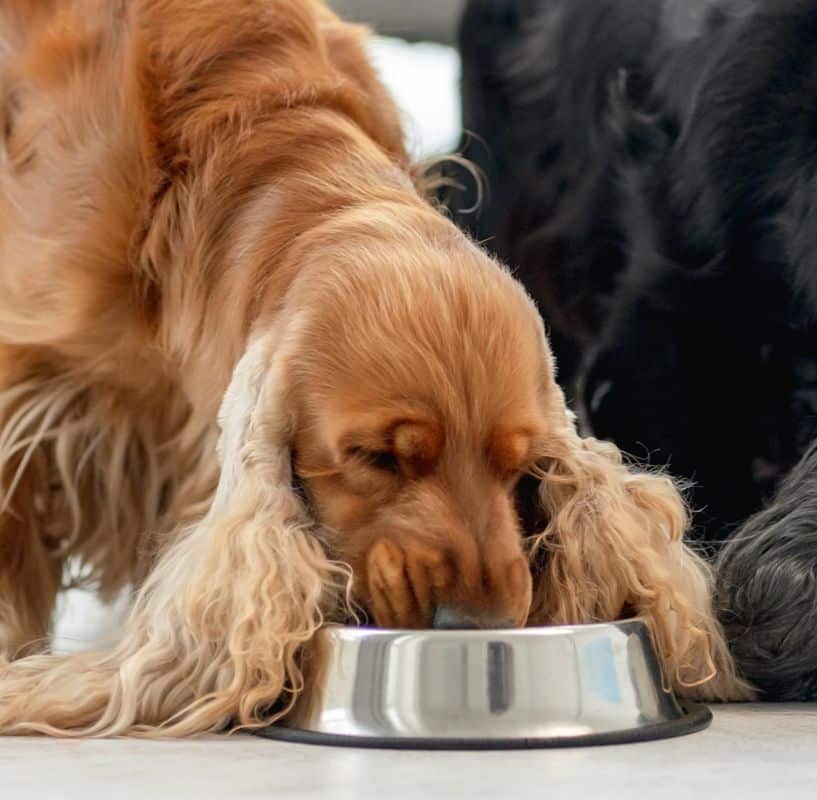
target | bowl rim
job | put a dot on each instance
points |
(534, 630)
(696, 717)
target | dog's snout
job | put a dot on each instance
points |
(494, 592)
(413, 585)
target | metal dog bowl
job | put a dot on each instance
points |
(488, 689)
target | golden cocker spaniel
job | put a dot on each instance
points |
(246, 367)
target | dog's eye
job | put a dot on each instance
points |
(384, 461)
(381, 460)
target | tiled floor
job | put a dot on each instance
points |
(750, 751)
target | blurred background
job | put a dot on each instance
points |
(416, 20)
(414, 50)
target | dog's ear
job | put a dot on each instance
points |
(258, 584)
(218, 631)
(613, 546)
(250, 583)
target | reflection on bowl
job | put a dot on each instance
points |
(534, 687)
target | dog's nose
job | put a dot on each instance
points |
(447, 619)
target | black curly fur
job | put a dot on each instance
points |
(767, 590)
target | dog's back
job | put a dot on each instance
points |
(113, 113)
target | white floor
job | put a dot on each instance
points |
(751, 751)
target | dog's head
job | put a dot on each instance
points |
(406, 384)
(423, 393)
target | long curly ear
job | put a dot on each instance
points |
(218, 631)
(612, 547)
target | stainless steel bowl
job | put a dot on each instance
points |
(486, 689)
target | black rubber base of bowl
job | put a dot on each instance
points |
(696, 718)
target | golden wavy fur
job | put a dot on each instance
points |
(207, 205)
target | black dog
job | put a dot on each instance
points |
(643, 184)
(707, 354)
(653, 176)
